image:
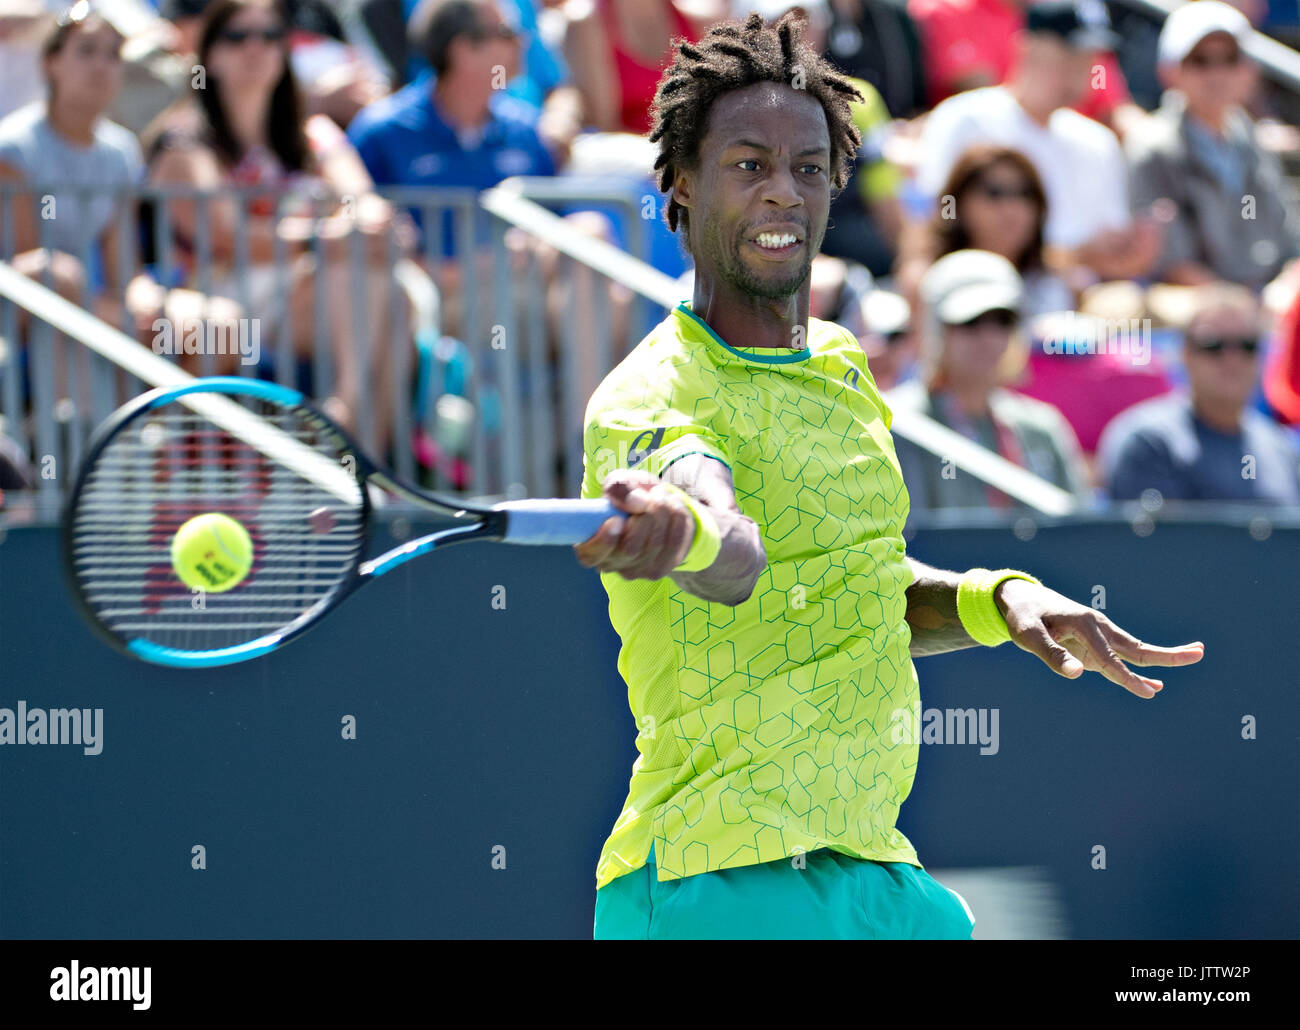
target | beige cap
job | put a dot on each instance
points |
(965, 284)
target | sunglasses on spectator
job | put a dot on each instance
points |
(237, 37)
(1001, 318)
(498, 31)
(997, 191)
(1206, 61)
(1217, 345)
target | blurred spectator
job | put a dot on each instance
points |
(887, 337)
(1079, 161)
(453, 128)
(1199, 157)
(336, 76)
(973, 302)
(997, 204)
(541, 70)
(877, 41)
(23, 24)
(1282, 376)
(971, 43)
(617, 51)
(460, 128)
(66, 140)
(1206, 443)
(245, 127)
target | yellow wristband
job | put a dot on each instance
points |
(978, 611)
(708, 538)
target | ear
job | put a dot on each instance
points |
(683, 189)
(1167, 74)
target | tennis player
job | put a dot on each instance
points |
(768, 613)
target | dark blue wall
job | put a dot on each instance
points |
(479, 727)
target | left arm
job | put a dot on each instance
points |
(932, 612)
(1067, 636)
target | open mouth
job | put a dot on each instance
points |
(777, 244)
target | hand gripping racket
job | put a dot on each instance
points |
(263, 455)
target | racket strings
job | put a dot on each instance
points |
(171, 464)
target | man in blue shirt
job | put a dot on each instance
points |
(457, 127)
(1206, 444)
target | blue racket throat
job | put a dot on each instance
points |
(413, 549)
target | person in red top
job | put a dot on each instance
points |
(971, 43)
(1282, 374)
(617, 51)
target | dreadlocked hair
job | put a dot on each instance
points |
(732, 56)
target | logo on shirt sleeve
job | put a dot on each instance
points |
(644, 445)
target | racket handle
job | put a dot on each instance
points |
(556, 520)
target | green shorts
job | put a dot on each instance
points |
(833, 896)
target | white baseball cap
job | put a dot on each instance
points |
(965, 284)
(885, 312)
(1191, 23)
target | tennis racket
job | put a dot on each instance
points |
(261, 454)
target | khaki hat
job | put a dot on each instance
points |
(965, 284)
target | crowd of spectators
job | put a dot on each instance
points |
(1070, 235)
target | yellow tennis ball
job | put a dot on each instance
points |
(212, 552)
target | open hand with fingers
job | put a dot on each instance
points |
(1070, 637)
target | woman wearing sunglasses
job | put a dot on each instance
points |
(993, 200)
(244, 126)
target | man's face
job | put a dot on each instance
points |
(972, 353)
(1055, 72)
(758, 199)
(1212, 77)
(1223, 373)
(491, 50)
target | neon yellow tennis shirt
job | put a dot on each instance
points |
(771, 727)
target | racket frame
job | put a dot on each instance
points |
(480, 523)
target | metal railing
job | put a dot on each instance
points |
(478, 353)
(501, 321)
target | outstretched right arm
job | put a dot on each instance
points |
(659, 530)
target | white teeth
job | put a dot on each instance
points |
(774, 241)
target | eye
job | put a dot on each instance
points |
(811, 169)
(747, 161)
